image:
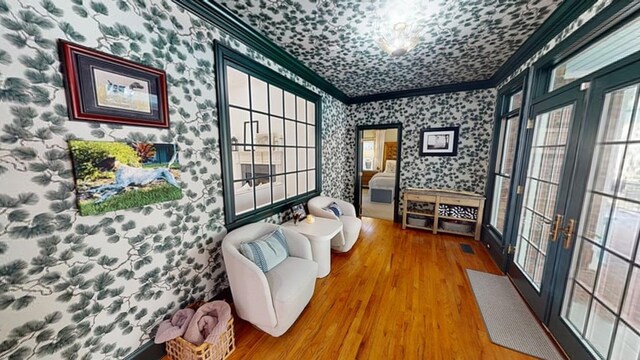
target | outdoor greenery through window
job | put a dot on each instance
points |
(509, 123)
(271, 149)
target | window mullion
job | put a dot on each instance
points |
(251, 78)
(271, 175)
(253, 148)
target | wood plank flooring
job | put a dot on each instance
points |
(398, 294)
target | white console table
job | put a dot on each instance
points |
(320, 234)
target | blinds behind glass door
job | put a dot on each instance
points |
(613, 47)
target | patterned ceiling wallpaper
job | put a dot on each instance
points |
(466, 40)
(472, 111)
(575, 25)
(95, 287)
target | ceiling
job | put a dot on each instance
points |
(466, 40)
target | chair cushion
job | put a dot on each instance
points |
(334, 208)
(268, 251)
(289, 278)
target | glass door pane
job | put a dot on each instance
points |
(546, 161)
(504, 166)
(602, 294)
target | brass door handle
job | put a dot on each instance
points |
(555, 231)
(568, 233)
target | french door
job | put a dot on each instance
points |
(550, 144)
(577, 252)
(595, 312)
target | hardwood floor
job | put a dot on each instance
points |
(398, 294)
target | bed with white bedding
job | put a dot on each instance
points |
(382, 185)
(383, 180)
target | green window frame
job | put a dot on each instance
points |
(258, 161)
(608, 21)
(606, 50)
(505, 155)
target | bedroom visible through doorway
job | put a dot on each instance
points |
(378, 170)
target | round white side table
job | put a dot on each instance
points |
(320, 234)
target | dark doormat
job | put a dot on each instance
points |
(467, 248)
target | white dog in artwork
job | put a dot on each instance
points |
(126, 176)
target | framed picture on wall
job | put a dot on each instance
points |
(104, 88)
(439, 141)
(112, 176)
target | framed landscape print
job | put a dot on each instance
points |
(112, 175)
(104, 88)
(439, 141)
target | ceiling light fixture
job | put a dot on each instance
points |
(399, 39)
(398, 24)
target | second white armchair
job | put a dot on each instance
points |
(351, 224)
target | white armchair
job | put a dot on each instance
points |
(351, 224)
(271, 301)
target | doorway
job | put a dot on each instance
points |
(378, 170)
(576, 247)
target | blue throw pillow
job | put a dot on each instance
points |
(268, 251)
(335, 209)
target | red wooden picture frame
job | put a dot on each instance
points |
(80, 65)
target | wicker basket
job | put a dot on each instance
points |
(418, 221)
(181, 349)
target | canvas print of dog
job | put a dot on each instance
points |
(116, 175)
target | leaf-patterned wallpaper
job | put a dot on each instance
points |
(472, 111)
(466, 40)
(575, 25)
(95, 287)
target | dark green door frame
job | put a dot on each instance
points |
(358, 179)
(536, 80)
(496, 242)
(539, 299)
(627, 73)
(616, 75)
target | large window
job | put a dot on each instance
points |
(269, 135)
(368, 154)
(509, 124)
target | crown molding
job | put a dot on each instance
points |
(223, 18)
(466, 86)
(564, 15)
